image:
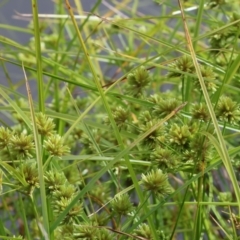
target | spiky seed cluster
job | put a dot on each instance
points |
(144, 231)
(155, 98)
(5, 136)
(45, 125)
(103, 234)
(21, 146)
(100, 219)
(62, 195)
(154, 138)
(225, 40)
(89, 148)
(55, 146)
(65, 231)
(200, 112)
(188, 156)
(164, 107)
(227, 110)
(218, 41)
(101, 192)
(179, 135)
(15, 144)
(61, 204)
(72, 175)
(54, 180)
(120, 116)
(122, 204)
(156, 182)
(202, 147)
(183, 64)
(193, 127)
(29, 172)
(85, 231)
(209, 77)
(64, 191)
(164, 159)
(199, 152)
(137, 81)
(145, 117)
(77, 133)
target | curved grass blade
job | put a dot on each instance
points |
(39, 160)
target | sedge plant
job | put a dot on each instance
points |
(133, 131)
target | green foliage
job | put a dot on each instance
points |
(145, 156)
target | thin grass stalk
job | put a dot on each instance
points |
(60, 124)
(206, 223)
(198, 218)
(197, 24)
(2, 228)
(179, 214)
(25, 221)
(37, 219)
(38, 56)
(39, 160)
